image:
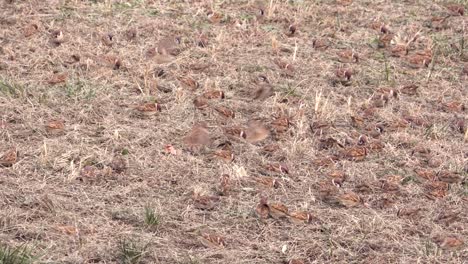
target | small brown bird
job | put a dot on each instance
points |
(55, 127)
(300, 217)
(9, 158)
(168, 46)
(198, 136)
(200, 102)
(225, 112)
(278, 210)
(57, 78)
(149, 108)
(107, 39)
(262, 209)
(256, 131)
(215, 94)
(211, 240)
(263, 91)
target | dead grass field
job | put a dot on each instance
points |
(141, 131)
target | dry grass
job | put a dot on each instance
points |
(103, 174)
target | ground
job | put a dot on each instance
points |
(230, 131)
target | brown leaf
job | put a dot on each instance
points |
(9, 158)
